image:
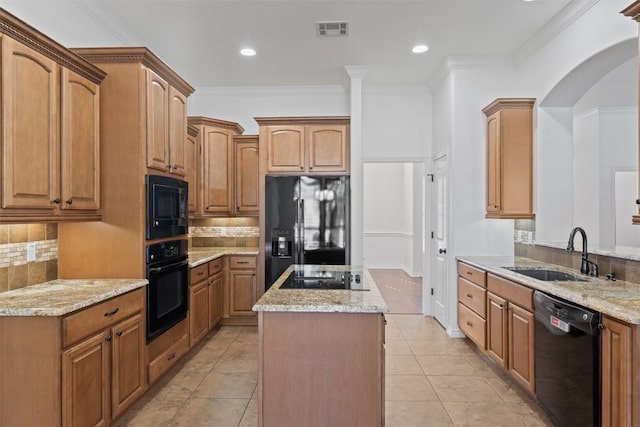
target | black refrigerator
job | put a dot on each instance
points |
(306, 222)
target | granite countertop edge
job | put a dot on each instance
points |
(618, 299)
(323, 301)
(199, 256)
(63, 296)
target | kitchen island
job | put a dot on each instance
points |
(321, 353)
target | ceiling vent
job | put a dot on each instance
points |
(332, 29)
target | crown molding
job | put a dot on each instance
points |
(633, 11)
(500, 103)
(142, 55)
(452, 63)
(34, 39)
(605, 111)
(309, 120)
(569, 14)
(356, 71)
(208, 121)
(408, 89)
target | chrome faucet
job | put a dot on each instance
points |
(586, 267)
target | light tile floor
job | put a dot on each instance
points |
(431, 380)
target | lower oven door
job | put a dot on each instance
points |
(167, 295)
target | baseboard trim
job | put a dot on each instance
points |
(455, 333)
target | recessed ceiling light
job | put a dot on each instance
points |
(247, 51)
(420, 48)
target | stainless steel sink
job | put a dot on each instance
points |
(546, 274)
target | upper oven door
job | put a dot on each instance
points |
(166, 207)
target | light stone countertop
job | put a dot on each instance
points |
(323, 300)
(618, 299)
(59, 297)
(198, 256)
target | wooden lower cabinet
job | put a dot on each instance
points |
(86, 383)
(521, 357)
(320, 369)
(240, 291)
(215, 295)
(81, 369)
(620, 394)
(511, 328)
(198, 312)
(497, 322)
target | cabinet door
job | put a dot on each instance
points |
(247, 181)
(327, 148)
(521, 346)
(191, 168)
(30, 122)
(177, 132)
(497, 323)
(85, 382)
(215, 299)
(128, 363)
(617, 373)
(217, 152)
(242, 292)
(493, 162)
(80, 147)
(285, 149)
(157, 122)
(198, 312)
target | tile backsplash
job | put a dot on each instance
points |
(15, 271)
(224, 232)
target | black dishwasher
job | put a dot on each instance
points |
(567, 355)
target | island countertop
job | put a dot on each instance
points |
(60, 297)
(619, 299)
(323, 300)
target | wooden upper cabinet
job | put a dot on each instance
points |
(217, 155)
(510, 158)
(50, 129)
(247, 176)
(214, 185)
(327, 148)
(166, 126)
(157, 122)
(191, 156)
(286, 149)
(177, 132)
(493, 163)
(80, 142)
(30, 121)
(305, 144)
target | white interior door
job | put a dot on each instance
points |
(439, 241)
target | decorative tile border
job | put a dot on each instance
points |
(16, 253)
(203, 231)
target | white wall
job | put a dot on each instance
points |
(467, 85)
(242, 104)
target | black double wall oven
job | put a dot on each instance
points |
(167, 260)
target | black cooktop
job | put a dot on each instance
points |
(333, 279)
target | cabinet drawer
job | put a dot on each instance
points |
(472, 325)
(242, 262)
(91, 320)
(168, 358)
(473, 296)
(198, 274)
(475, 275)
(511, 291)
(215, 266)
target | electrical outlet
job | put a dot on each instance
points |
(223, 231)
(31, 251)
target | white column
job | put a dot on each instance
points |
(356, 73)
